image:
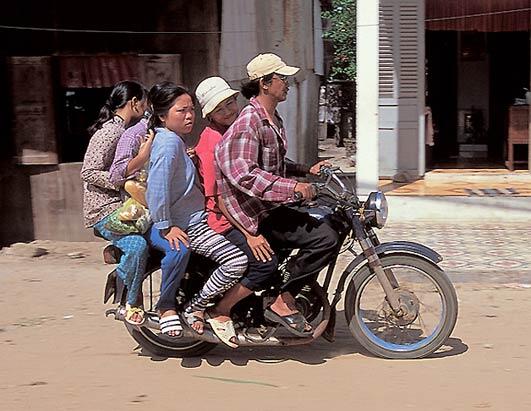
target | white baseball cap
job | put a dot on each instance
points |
(212, 91)
(268, 63)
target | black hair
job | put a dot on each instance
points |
(251, 88)
(122, 92)
(162, 97)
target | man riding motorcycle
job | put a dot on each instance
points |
(253, 184)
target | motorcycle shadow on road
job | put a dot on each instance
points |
(315, 353)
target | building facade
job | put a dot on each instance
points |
(446, 61)
(60, 60)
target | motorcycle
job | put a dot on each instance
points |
(398, 303)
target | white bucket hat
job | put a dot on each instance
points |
(212, 91)
(268, 63)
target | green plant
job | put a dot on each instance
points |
(342, 34)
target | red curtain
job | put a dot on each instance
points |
(478, 15)
(97, 71)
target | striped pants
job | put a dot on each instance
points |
(232, 263)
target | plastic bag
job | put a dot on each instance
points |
(131, 217)
(137, 190)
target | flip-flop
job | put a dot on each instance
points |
(295, 323)
(130, 311)
(223, 329)
(171, 323)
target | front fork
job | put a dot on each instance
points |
(368, 240)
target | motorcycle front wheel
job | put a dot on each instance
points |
(428, 318)
(151, 339)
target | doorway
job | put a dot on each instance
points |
(472, 79)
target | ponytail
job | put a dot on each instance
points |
(122, 92)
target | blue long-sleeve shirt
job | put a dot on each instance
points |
(173, 195)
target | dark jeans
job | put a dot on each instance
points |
(316, 240)
(259, 275)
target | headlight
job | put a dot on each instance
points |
(377, 203)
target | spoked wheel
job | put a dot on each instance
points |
(151, 339)
(429, 309)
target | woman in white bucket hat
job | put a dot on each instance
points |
(219, 106)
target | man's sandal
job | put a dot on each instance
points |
(131, 311)
(171, 324)
(294, 323)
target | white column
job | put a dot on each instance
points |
(529, 125)
(367, 47)
(421, 86)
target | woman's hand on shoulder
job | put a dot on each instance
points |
(147, 141)
(191, 152)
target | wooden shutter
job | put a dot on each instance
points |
(388, 45)
(33, 125)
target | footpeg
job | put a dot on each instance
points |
(110, 311)
(118, 312)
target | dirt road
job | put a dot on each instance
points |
(58, 352)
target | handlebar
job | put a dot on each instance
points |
(340, 192)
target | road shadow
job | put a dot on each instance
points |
(315, 353)
(451, 348)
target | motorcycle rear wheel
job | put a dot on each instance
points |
(182, 347)
(424, 287)
(152, 340)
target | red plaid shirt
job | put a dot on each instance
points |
(251, 166)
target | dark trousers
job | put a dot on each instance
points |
(259, 274)
(317, 242)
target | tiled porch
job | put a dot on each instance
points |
(459, 182)
(464, 182)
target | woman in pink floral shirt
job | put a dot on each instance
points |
(101, 196)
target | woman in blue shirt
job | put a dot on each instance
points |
(176, 203)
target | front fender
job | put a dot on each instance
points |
(393, 247)
(409, 247)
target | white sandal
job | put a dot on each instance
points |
(171, 323)
(224, 330)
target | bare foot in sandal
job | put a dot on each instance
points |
(170, 324)
(196, 320)
(284, 310)
(134, 315)
(223, 327)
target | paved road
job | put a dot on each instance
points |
(478, 252)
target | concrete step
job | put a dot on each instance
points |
(478, 176)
